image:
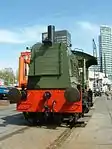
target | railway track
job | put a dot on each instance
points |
(13, 133)
(60, 134)
(64, 135)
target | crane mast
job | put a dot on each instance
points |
(95, 69)
(24, 61)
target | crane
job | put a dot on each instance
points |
(24, 61)
(95, 69)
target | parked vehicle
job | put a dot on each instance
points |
(3, 92)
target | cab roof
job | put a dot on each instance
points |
(90, 60)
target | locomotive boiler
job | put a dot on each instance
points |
(53, 90)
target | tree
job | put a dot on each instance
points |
(17, 74)
(7, 75)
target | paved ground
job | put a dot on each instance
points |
(33, 138)
(4, 103)
(98, 132)
(13, 134)
(11, 120)
(30, 138)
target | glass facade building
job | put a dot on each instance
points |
(105, 50)
(60, 36)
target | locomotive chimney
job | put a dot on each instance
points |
(51, 34)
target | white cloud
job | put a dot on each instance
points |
(26, 36)
(14, 64)
(94, 28)
(23, 35)
(82, 35)
(7, 36)
(33, 33)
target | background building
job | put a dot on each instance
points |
(105, 50)
(60, 36)
(96, 68)
(98, 81)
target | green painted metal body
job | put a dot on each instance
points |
(52, 67)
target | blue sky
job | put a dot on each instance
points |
(23, 21)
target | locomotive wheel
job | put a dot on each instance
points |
(57, 119)
(38, 119)
(73, 119)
